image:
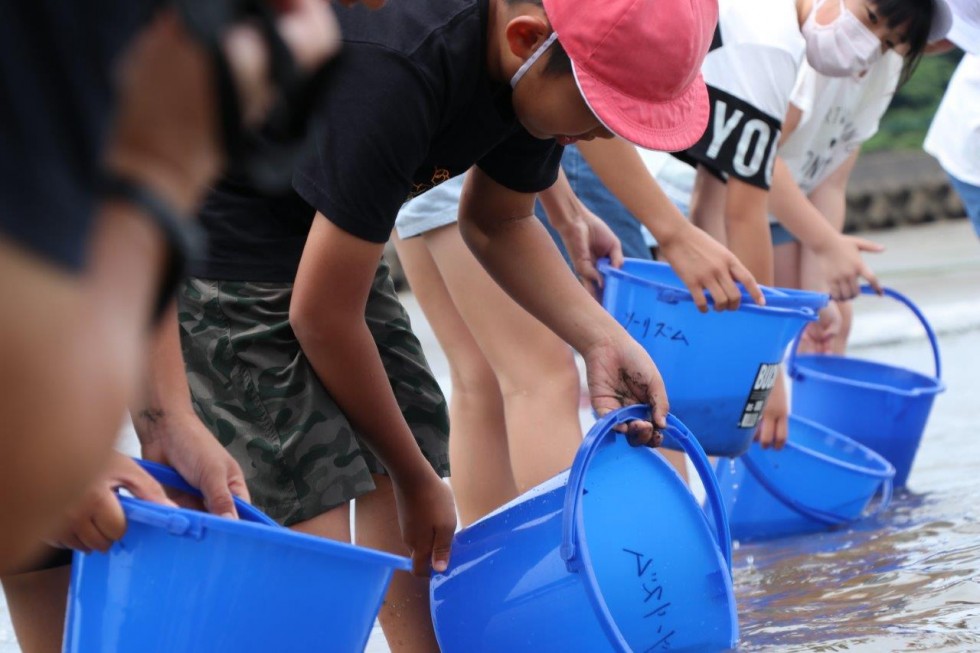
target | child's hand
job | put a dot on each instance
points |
(621, 373)
(427, 516)
(703, 263)
(843, 266)
(184, 443)
(773, 430)
(818, 337)
(97, 520)
(587, 240)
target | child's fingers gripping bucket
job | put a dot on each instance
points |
(180, 580)
(613, 555)
(719, 367)
(821, 479)
(883, 407)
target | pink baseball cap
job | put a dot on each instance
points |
(638, 64)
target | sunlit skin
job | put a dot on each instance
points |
(892, 38)
(547, 105)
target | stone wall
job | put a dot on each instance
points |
(891, 189)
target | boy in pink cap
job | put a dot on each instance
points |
(419, 95)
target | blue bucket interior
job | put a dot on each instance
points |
(719, 368)
(181, 580)
(655, 561)
(880, 406)
(818, 469)
(646, 553)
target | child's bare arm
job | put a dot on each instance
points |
(499, 227)
(837, 257)
(702, 263)
(747, 224)
(327, 315)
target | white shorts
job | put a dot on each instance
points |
(434, 208)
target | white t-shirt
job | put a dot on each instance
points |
(750, 72)
(966, 25)
(838, 115)
(954, 137)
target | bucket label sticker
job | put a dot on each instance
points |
(655, 604)
(765, 381)
(644, 328)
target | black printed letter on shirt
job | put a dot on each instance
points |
(740, 140)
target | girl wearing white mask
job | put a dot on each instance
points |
(828, 120)
(751, 71)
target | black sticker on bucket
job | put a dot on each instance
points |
(764, 382)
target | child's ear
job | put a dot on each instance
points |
(524, 35)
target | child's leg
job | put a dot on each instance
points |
(37, 602)
(404, 616)
(332, 525)
(482, 478)
(839, 344)
(787, 264)
(708, 205)
(535, 368)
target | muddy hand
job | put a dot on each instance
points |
(621, 373)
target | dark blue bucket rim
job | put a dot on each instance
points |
(938, 385)
(802, 371)
(574, 548)
(886, 468)
(803, 304)
(156, 515)
(886, 476)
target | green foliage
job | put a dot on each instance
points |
(906, 122)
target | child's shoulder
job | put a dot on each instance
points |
(407, 27)
(769, 24)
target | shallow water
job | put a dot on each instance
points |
(906, 580)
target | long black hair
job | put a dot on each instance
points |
(915, 18)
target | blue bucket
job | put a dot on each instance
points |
(819, 480)
(719, 368)
(181, 580)
(612, 555)
(883, 407)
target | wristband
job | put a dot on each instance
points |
(183, 241)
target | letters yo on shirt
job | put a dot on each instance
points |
(750, 72)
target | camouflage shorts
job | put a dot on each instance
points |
(253, 387)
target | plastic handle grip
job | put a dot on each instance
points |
(603, 429)
(894, 294)
(169, 477)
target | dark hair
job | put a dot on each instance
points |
(915, 16)
(558, 61)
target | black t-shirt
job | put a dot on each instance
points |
(409, 105)
(56, 96)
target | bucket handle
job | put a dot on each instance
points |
(169, 477)
(824, 516)
(894, 294)
(572, 515)
(776, 301)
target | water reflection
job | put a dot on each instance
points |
(907, 580)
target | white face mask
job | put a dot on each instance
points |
(526, 66)
(842, 48)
